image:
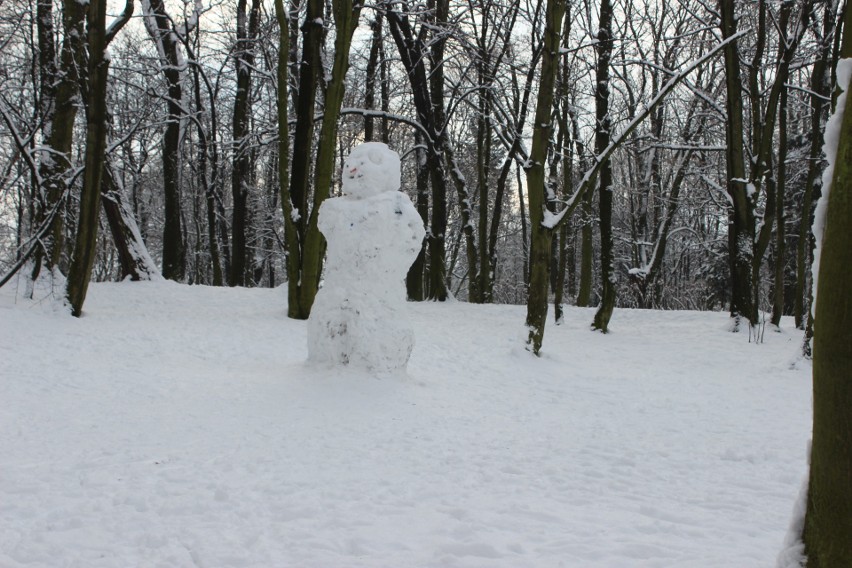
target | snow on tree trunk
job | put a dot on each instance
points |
(374, 235)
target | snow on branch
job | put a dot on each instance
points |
(21, 142)
(553, 220)
(367, 113)
(119, 22)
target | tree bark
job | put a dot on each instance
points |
(415, 279)
(372, 72)
(85, 244)
(584, 293)
(762, 171)
(741, 221)
(542, 234)
(291, 237)
(603, 136)
(247, 26)
(780, 220)
(346, 14)
(305, 242)
(133, 256)
(161, 30)
(206, 151)
(60, 99)
(428, 93)
(828, 521)
(819, 87)
(299, 187)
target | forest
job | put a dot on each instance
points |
(650, 154)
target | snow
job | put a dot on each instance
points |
(793, 551)
(751, 190)
(178, 426)
(374, 232)
(831, 141)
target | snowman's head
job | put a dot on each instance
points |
(372, 168)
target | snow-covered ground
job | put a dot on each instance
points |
(178, 426)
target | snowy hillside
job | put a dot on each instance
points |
(178, 426)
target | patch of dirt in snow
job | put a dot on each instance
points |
(180, 426)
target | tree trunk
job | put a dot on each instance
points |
(161, 29)
(299, 187)
(372, 68)
(819, 87)
(541, 234)
(50, 183)
(414, 281)
(828, 521)
(241, 173)
(346, 14)
(85, 244)
(565, 152)
(482, 292)
(780, 221)
(282, 101)
(305, 243)
(133, 255)
(212, 197)
(561, 263)
(762, 160)
(428, 93)
(438, 260)
(584, 294)
(60, 100)
(741, 214)
(603, 136)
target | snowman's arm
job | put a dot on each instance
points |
(409, 215)
(329, 216)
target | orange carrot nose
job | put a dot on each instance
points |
(353, 170)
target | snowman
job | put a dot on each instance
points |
(374, 234)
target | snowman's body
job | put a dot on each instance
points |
(374, 233)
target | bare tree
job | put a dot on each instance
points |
(244, 55)
(306, 246)
(98, 38)
(167, 39)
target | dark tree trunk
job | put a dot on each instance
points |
(133, 255)
(542, 234)
(819, 87)
(299, 187)
(564, 153)
(247, 26)
(780, 221)
(828, 521)
(603, 136)
(60, 98)
(428, 91)
(85, 245)
(584, 294)
(305, 243)
(372, 68)
(161, 30)
(741, 214)
(282, 105)
(415, 280)
(762, 171)
(346, 14)
(212, 196)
